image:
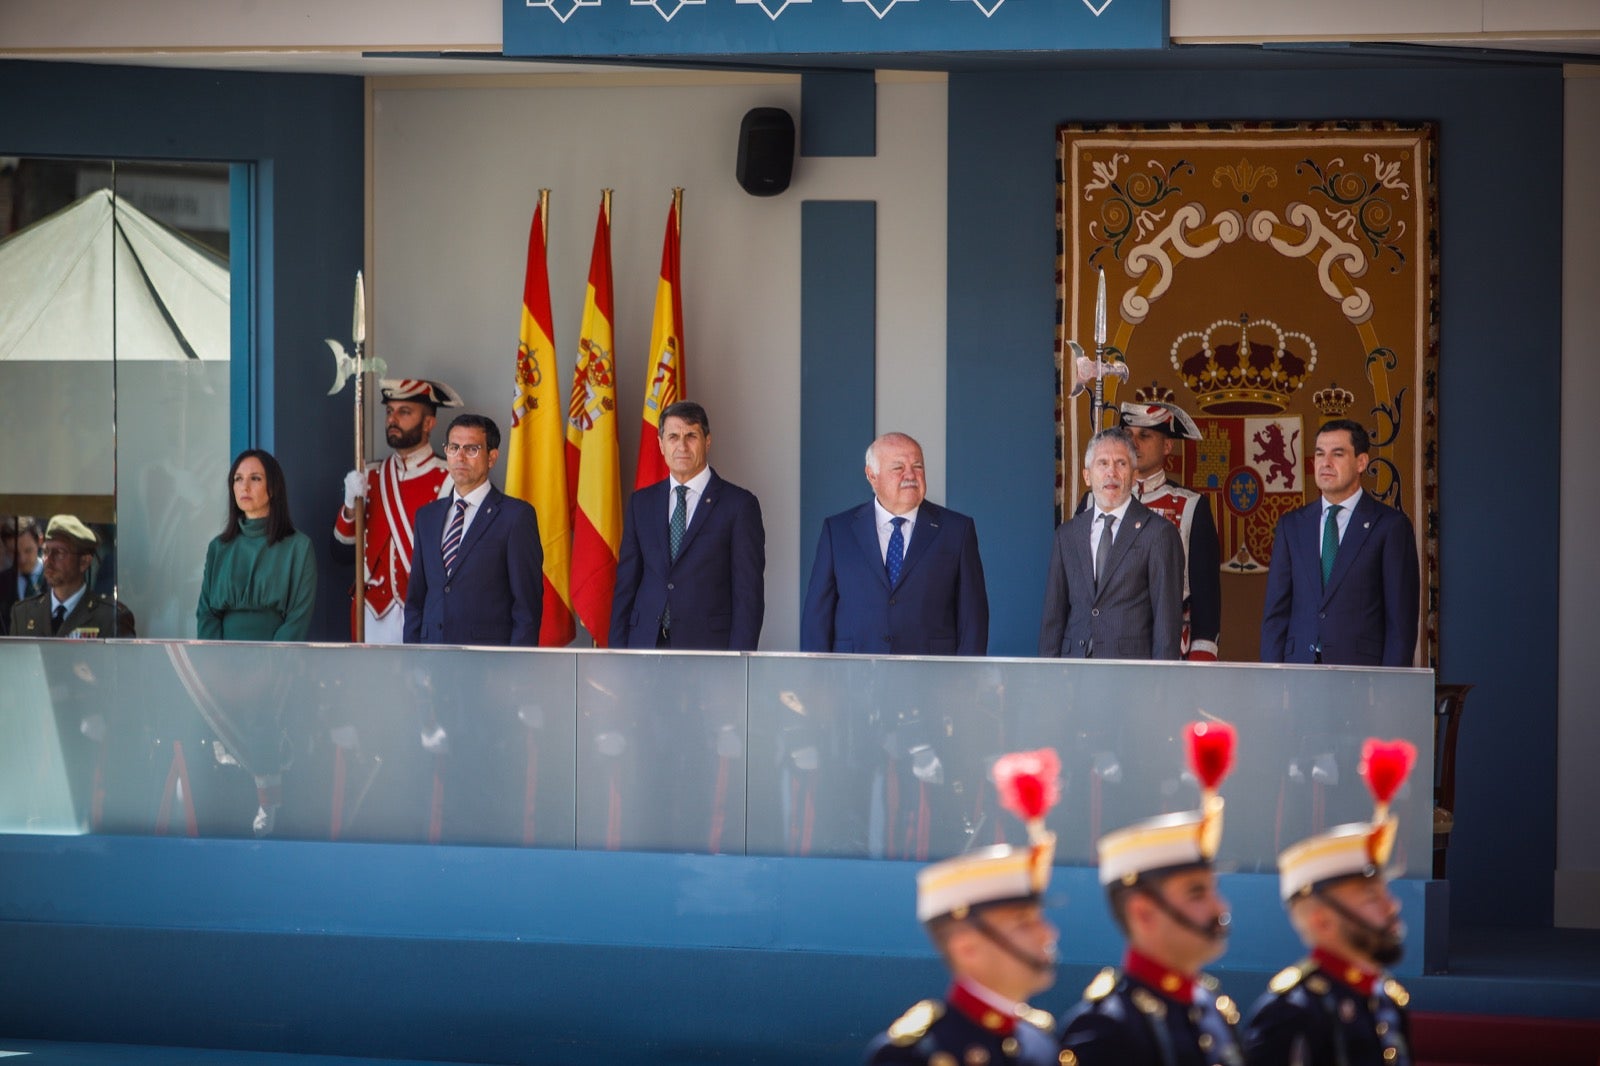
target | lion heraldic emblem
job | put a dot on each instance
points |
(1277, 452)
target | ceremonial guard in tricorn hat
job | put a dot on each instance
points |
(1154, 424)
(1338, 1007)
(1159, 1009)
(984, 912)
(392, 491)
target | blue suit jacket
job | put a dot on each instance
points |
(715, 588)
(495, 595)
(940, 606)
(1367, 615)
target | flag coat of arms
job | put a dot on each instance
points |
(536, 469)
(593, 465)
(664, 378)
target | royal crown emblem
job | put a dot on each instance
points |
(1333, 401)
(1244, 376)
(1154, 392)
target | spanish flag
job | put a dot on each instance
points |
(665, 384)
(592, 449)
(536, 468)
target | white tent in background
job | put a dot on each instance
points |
(145, 437)
(63, 278)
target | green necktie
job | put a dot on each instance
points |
(1330, 541)
(680, 520)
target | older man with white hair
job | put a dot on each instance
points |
(897, 575)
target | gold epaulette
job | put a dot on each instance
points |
(1397, 992)
(1102, 985)
(1225, 1007)
(1040, 1019)
(1290, 976)
(914, 1024)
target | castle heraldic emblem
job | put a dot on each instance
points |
(1267, 278)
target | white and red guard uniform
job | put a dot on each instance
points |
(396, 488)
(1202, 556)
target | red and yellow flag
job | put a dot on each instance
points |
(665, 383)
(536, 468)
(593, 459)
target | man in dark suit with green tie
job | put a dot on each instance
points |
(1344, 584)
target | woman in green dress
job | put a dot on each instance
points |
(261, 578)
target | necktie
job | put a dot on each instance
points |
(33, 587)
(680, 520)
(894, 559)
(1330, 541)
(57, 618)
(452, 537)
(1103, 552)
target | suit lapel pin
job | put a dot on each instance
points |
(1366, 525)
(1138, 525)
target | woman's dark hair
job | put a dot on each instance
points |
(278, 524)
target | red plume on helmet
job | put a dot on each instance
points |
(1210, 746)
(1029, 783)
(1385, 764)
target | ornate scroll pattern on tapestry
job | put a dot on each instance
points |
(1268, 278)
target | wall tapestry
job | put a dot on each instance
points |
(1268, 278)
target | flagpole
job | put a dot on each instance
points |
(358, 337)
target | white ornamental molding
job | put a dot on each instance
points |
(557, 7)
(988, 7)
(667, 8)
(767, 6)
(1095, 9)
(880, 7)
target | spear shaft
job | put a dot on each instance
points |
(1097, 404)
(358, 337)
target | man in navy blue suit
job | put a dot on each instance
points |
(897, 575)
(1344, 583)
(690, 569)
(476, 575)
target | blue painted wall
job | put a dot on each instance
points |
(303, 135)
(1500, 214)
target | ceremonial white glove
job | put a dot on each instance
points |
(355, 487)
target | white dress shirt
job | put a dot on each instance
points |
(886, 528)
(474, 501)
(1099, 523)
(1346, 509)
(697, 488)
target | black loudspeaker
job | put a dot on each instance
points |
(766, 151)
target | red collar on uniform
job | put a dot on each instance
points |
(980, 1010)
(1346, 972)
(1154, 483)
(1170, 983)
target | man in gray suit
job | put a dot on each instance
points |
(1115, 586)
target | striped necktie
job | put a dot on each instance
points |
(452, 537)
